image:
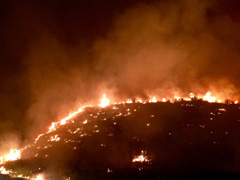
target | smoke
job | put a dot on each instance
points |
(8, 141)
(170, 46)
(159, 48)
(69, 58)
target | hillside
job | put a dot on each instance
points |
(160, 140)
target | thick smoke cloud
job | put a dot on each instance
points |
(171, 45)
(69, 54)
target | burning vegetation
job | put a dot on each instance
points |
(135, 138)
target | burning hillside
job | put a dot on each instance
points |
(133, 139)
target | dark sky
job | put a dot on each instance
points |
(57, 55)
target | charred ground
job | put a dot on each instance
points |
(193, 139)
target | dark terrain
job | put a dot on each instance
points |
(181, 140)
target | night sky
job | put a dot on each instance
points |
(58, 55)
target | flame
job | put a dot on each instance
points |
(39, 177)
(177, 98)
(54, 138)
(104, 102)
(141, 158)
(70, 116)
(209, 98)
(191, 95)
(153, 100)
(164, 100)
(54, 125)
(14, 154)
(3, 170)
(129, 101)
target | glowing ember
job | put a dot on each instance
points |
(55, 138)
(222, 109)
(104, 102)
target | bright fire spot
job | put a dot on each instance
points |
(177, 98)
(209, 98)
(39, 177)
(222, 109)
(154, 99)
(70, 116)
(55, 138)
(38, 137)
(141, 158)
(236, 102)
(63, 121)
(14, 154)
(164, 100)
(3, 170)
(104, 102)
(191, 95)
(139, 100)
(53, 127)
(129, 101)
(85, 122)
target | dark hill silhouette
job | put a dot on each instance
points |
(175, 140)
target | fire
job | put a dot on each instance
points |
(39, 177)
(53, 127)
(141, 158)
(54, 138)
(192, 95)
(70, 116)
(153, 100)
(14, 154)
(3, 170)
(64, 120)
(164, 100)
(209, 98)
(177, 98)
(104, 102)
(129, 101)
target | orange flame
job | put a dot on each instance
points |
(141, 158)
(14, 154)
(104, 102)
(39, 177)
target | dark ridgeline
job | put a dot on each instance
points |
(179, 140)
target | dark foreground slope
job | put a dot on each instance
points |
(195, 140)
